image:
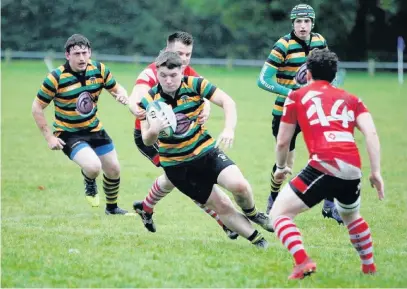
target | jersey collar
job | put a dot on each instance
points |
(168, 98)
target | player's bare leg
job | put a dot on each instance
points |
(111, 182)
(91, 167)
(328, 210)
(222, 204)
(285, 208)
(231, 178)
(162, 187)
(231, 235)
(359, 233)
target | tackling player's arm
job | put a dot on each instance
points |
(365, 124)
(139, 90)
(144, 82)
(285, 134)
(276, 58)
(44, 96)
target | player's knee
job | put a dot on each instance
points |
(113, 170)
(165, 183)
(348, 213)
(275, 213)
(240, 187)
(92, 169)
(344, 209)
(224, 206)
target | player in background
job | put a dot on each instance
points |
(191, 158)
(181, 43)
(286, 59)
(328, 117)
(75, 88)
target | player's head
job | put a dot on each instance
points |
(322, 64)
(169, 70)
(77, 52)
(182, 43)
(303, 19)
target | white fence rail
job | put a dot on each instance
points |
(9, 54)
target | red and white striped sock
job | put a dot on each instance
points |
(290, 236)
(210, 212)
(361, 239)
(155, 194)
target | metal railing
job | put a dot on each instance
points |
(10, 54)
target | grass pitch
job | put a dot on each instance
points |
(52, 238)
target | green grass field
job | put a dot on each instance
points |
(39, 227)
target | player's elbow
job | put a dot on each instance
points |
(260, 83)
(265, 85)
(148, 141)
(231, 103)
(36, 107)
(149, 138)
(226, 102)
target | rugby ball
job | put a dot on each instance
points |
(301, 75)
(160, 110)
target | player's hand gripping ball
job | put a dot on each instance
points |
(161, 110)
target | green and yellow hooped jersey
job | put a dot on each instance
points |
(287, 56)
(75, 95)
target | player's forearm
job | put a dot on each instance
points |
(40, 120)
(139, 90)
(149, 133)
(266, 81)
(281, 154)
(120, 90)
(373, 150)
(229, 108)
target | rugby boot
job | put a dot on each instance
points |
(115, 211)
(263, 220)
(91, 193)
(369, 269)
(331, 212)
(261, 244)
(304, 269)
(146, 218)
(231, 235)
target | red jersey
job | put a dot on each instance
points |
(149, 77)
(327, 117)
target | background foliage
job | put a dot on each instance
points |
(356, 30)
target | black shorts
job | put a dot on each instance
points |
(150, 152)
(312, 186)
(99, 141)
(276, 125)
(197, 177)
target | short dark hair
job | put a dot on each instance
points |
(168, 59)
(76, 39)
(323, 64)
(181, 36)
